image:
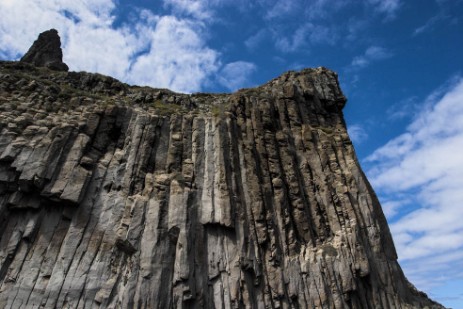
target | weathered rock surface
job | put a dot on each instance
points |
(46, 52)
(125, 197)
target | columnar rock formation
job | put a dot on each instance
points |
(46, 52)
(114, 196)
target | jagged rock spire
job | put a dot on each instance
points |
(46, 52)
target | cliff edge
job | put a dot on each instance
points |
(117, 196)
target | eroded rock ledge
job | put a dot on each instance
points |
(114, 196)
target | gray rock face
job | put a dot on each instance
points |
(125, 197)
(46, 52)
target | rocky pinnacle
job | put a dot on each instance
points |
(113, 196)
(46, 52)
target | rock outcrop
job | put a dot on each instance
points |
(114, 196)
(46, 52)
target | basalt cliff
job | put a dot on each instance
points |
(117, 196)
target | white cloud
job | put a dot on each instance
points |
(389, 7)
(323, 8)
(253, 41)
(355, 26)
(195, 8)
(372, 53)
(405, 108)
(235, 75)
(312, 10)
(357, 133)
(160, 51)
(282, 8)
(177, 58)
(422, 172)
(206, 10)
(391, 208)
(430, 23)
(294, 42)
(297, 25)
(447, 14)
(304, 35)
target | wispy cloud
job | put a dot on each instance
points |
(280, 9)
(311, 10)
(236, 75)
(303, 36)
(255, 40)
(448, 12)
(198, 9)
(392, 207)
(430, 23)
(389, 7)
(421, 171)
(309, 22)
(324, 8)
(294, 42)
(372, 53)
(357, 133)
(206, 10)
(297, 25)
(354, 27)
(406, 108)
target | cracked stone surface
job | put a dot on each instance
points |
(115, 196)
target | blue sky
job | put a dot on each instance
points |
(399, 62)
